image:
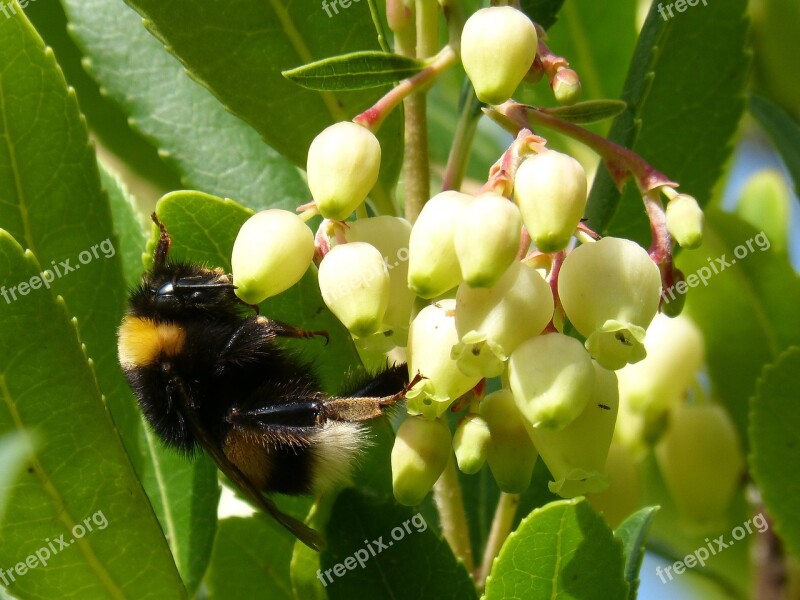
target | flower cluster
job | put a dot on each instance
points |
(506, 289)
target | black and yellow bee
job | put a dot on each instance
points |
(206, 374)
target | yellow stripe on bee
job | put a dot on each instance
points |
(141, 341)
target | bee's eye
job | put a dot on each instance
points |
(167, 290)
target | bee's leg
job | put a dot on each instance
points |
(364, 408)
(164, 242)
(281, 329)
(253, 339)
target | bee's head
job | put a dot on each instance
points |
(179, 290)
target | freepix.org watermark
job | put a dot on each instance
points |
(327, 6)
(10, 10)
(48, 276)
(52, 547)
(712, 548)
(680, 6)
(373, 548)
(716, 266)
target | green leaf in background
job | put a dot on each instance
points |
(184, 493)
(783, 130)
(78, 472)
(13, 452)
(127, 225)
(240, 55)
(633, 532)
(306, 562)
(203, 228)
(563, 550)
(410, 560)
(542, 11)
(105, 118)
(685, 100)
(354, 71)
(776, 47)
(590, 111)
(52, 203)
(211, 149)
(766, 203)
(250, 560)
(747, 312)
(774, 459)
(598, 42)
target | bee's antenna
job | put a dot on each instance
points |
(162, 249)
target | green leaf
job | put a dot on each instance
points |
(240, 55)
(211, 149)
(542, 12)
(203, 228)
(184, 494)
(107, 121)
(598, 42)
(750, 304)
(52, 203)
(775, 48)
(563, 550)
(409, 560)
(633, 532)
(78, 472)
(13, 452)
(307, 562)
(783, 130)
(684, 96)
(250, 560)
(774, 459)
(587, 112)
(354, 71)
(127, 225)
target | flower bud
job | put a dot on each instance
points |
(492, 322)
(432, 262)
(487, 239)
(498, 45)
(621, 499)
(272, 252)
(471, 443)
(511, 454)
(552, 377)
(685, 221)
(343, 165)
(390, 235)
(566, 87)
(701, 461)
(610, 291)
(432, 335)
(355, 285)
(550, 189)
(577, 454)
(419, 456)
(675, 351)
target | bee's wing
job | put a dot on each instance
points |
(300, 530)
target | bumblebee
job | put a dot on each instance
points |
(209, 375)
